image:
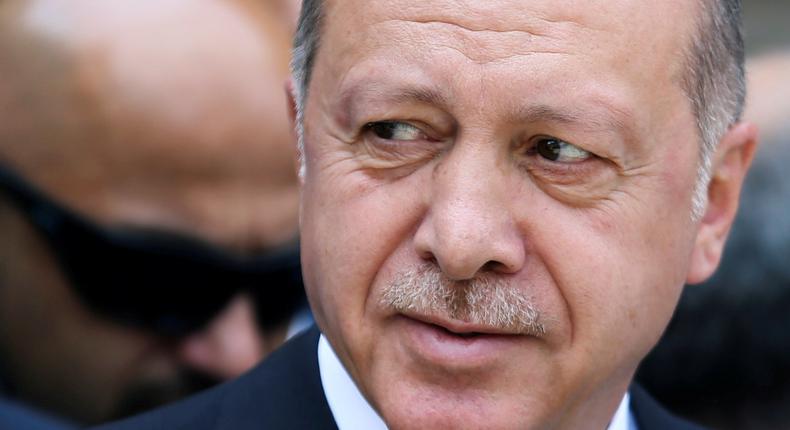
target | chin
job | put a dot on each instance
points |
(429, 408)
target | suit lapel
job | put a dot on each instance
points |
(283, 392)
(649, 415)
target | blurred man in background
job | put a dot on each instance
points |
(148, 200)
(725, 359)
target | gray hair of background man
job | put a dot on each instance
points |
(714, 81)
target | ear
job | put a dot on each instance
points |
(290, 95)
(730, 163)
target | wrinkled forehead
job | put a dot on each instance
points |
(634, 36)
(655, 22)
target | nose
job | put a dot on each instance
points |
(230, 344)
(469, 226)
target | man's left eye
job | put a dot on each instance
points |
(561, 151)
(394, 130)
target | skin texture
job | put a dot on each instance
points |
(164, 115)
(600, 247)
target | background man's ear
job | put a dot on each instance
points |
(290, 95)
(730, 164)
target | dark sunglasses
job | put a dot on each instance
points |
(164, 282)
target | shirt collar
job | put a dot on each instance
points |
(351, 411)
(348, 406)
(623, 418)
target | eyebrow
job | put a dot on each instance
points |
(606, 118)
(423, 94)
(387, 93)
(395, 93)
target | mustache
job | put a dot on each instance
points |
(487, 300)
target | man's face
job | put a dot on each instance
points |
(462, 157)
(187, 137)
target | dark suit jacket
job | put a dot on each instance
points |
(15, 416)
(284, 392)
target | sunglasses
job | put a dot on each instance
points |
(164, 282)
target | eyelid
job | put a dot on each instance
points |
(540, 137)
(533, 149)
(426, 132)
(387, 153)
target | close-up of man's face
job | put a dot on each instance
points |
(155, 147)
(498, 205)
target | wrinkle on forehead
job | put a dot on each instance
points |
(499, 16)
(479, 45)
(479, 28)
(617, 51)
(629, 28)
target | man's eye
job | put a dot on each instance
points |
(560, 151)
(394, 130)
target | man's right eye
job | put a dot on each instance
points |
(394, 130)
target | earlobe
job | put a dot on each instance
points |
(731, 161)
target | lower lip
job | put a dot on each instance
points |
(438, 346)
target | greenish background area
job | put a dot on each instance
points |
(766, 25)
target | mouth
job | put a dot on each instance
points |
(464, 335)
(461, 335)
(462, 329)
(452, 344)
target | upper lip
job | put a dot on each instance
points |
(460, 327)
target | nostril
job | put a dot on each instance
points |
(494, 266)
(428, 256)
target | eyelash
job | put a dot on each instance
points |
(559, 172)
(557, 145)
(372, 126)
(419, 148)
(552, 166)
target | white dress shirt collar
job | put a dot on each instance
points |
(348, 406)
(352, 412)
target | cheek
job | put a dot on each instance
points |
(632, 254)
(351, 225)
(620, 278)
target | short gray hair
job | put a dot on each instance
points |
(306, 42)
(714, 82)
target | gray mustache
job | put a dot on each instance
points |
(486, 300)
